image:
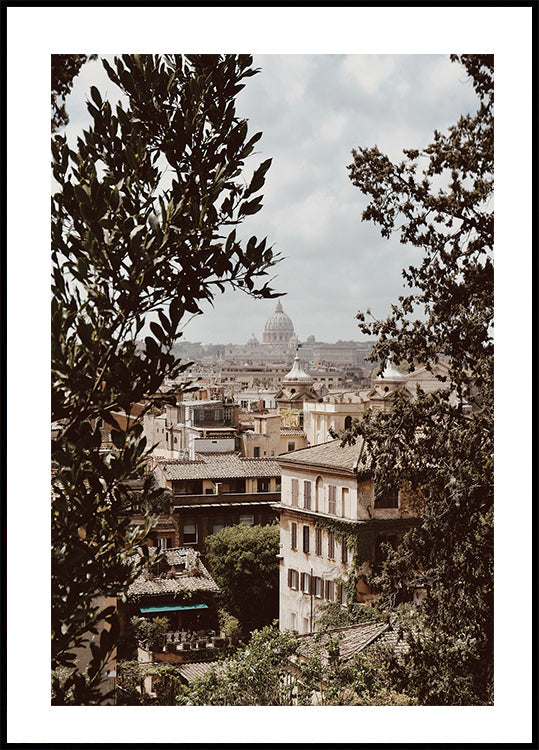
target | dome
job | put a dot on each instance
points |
(297, 374)
(253, 341)
(279, 328)
(279, 321)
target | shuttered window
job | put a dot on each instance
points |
(330, 591)
(306, 538)
(344, 550)
(307, 495)
(331, 545)
(332, 500)
(295, 492)
(293, 579)
(317, 587)
(294, 536)
(318, 542)
(306, 583)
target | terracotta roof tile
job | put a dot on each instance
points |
(196, 669)
(219, 466)
(332, 455)
(183, 582)
(352, 639)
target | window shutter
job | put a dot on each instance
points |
(306, 535)
(289, 578)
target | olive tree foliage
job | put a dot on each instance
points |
(64, 70)
(144, 215)
(439, 199)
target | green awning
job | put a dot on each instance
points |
(172, 607)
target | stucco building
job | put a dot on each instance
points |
(327, 509)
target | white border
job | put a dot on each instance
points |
(32, 34)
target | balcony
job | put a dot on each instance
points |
(225, 499)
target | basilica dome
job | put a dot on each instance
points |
(279, 328)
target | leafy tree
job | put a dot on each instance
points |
(269, 672)
(254, 676)
(144, 217)
(334, 616)
(64, 69)
(153, 633)
(439, 200)
(243, 561)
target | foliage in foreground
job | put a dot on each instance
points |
(243, 561)
(144, 217)
(267, 672)
(441, 443)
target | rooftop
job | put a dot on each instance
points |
(331, 455)
(219, 466)
(195, 577)
(353, 639)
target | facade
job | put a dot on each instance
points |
(327, 498)
(335, 412)
(218, 490)
(194, 426)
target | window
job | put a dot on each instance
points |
(389, 499)
(247, 519)
(295, 491)
(306, 625)
(342, 594)
(218, 525)
(256, 452)
(293, 620)
(330, 591)
(164, 542)
(293, 579)
(344, 550)
(190, 532)
(344, 504)
(291, 445)
(306, 538)
(318, 542)
(317, 587)
(306, 583)
(209, 491)
(263, 485)
(332, 500)
(307, 495)
(347, 422)
(293, 536)
(331, 545)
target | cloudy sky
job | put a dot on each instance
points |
(313, 110)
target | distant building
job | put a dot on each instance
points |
(280, 342)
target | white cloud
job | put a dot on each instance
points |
(369, 72)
